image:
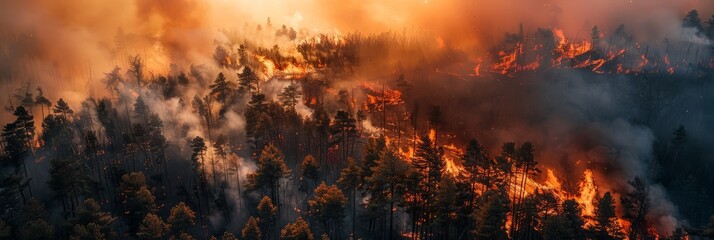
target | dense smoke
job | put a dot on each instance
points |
(577, 120)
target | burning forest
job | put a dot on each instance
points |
(436, 119)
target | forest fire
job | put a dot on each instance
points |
(360, 120)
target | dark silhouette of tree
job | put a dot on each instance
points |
(137, 200)
(556, 228)
(136, 69)
(435, 121)
(372, 151)
(490, 217)
(299, 230)
(92, 213)
(57, 134)
(290, 96)
(692, 20)
(198, 148)
(477, 164)
(68, 181)
(42, 101)
(16, 138)
(267, 214)
(203, 107)
(152, 227)
(595, 37)
(141, 110)
(679, 140)
(248, 80)
(222, 57)
(350, 179)
(429, 163)
(113, 79)
(328, 206)
(310, 170)
(184, 236)
(228, 236)
(606, 224)
(222, 89)
(251, 231)
(342, 130)
(87, 232)
(388, 183)
(636, 205)
(181, 218)
(428, 159)
(258, 121)
(709, 31)
(445, 206)
(271, 168)
(62, 108)
(524, 163)
(568, 224)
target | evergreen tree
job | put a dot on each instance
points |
(388, 181)
(271, 168)
(42, 101)
(152, 227)
(222, 89)
(68, 181)
(710, 28)
(58, 135)
(477, 164)
(62, 108)
(429, 163)
(290, 96)
(328, 206)
(679, 140)
(258, 121)
(267, 214)
(692, 20)
(595, 36)
(113, 79)
(428, 159)
(87, 232)
(568, 224)
(606, 224)
(372, 151)
(228, 236)
(136, 198)
(222, 57)
(445, 205)
(141, 110)
(342, 130)
(136, 69)
(248, 80)
(181, 218)
(16, 138)
(557, 228)
(350, 179)
(92, 213)
(310, 169)
(572, 212)
(251, 231)
(299, 230)
(198, 147)
(490, 217)
(636, 205)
